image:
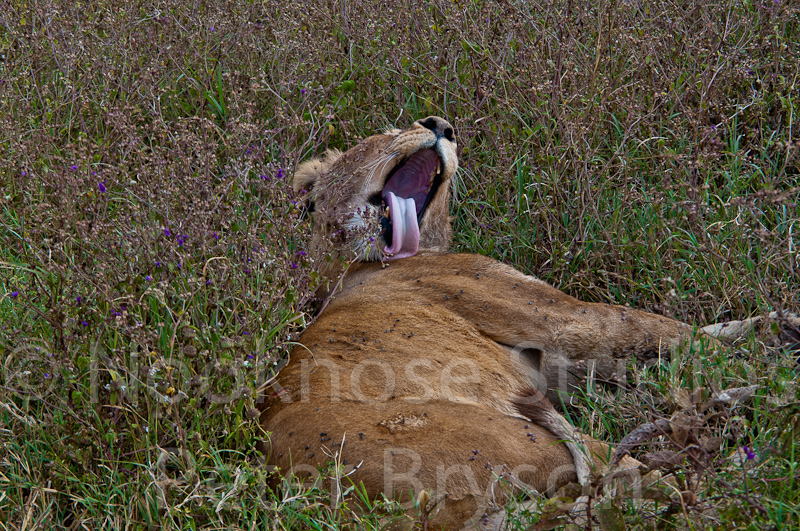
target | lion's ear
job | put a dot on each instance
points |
(308, 174)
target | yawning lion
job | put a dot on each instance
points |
(421, 374)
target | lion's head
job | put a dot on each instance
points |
(387, 197)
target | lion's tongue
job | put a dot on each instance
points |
(405, 231)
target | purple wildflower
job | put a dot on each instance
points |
(84, 323)
(102, 186)
(148, 278)
(303, 92)
(14, 294)
(749, 454)
(74, 167)
(167, 232)
(280, 173)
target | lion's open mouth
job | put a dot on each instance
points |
(406, 194)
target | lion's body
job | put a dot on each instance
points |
(410, 373)
(414, 366)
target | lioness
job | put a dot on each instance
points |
(419, 374)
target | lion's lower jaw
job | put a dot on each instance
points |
(365, 237)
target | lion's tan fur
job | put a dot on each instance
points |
(411, 372)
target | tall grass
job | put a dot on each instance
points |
(152, 263)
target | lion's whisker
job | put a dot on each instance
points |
(380, 162)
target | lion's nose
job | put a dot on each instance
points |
(439, 126)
